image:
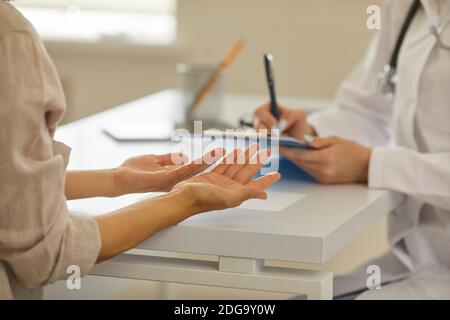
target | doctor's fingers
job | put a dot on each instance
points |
(259, 125)
(265, 118)
(323, 142)
(322, 173)
(293, 117)
(323, 156)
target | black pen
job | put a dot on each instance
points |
(268, 59)
(271, 84)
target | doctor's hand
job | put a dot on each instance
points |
(293, 121)
(149, 173)
(230, 183)
(334, 160)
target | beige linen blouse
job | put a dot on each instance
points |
(39, 240)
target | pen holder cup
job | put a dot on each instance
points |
(194, 78)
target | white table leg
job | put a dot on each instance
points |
(301, 282)
(230, 272)
(166, 291)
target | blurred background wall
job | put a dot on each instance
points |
(315, 44)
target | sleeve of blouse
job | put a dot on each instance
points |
(39, 240)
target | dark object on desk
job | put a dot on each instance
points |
(247, 120)
(268, 59)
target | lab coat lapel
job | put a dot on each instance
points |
(408, 87)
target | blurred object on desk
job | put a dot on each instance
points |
(194, 77)
(204, 90)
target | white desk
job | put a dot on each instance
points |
(311, 230)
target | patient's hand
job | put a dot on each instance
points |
(149, 173)
(228, 185)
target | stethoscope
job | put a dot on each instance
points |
(388, 78)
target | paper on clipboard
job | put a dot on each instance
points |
(282, 141)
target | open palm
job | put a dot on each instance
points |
(148, 173)
(228, 185)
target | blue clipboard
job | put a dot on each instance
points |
(290, 142)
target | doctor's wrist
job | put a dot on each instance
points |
(365, 156)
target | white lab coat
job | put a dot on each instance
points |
(411, 139)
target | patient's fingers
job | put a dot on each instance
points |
(245, 174)
(181, 172)
(242, 160)
(229, 160)
(265, 181)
